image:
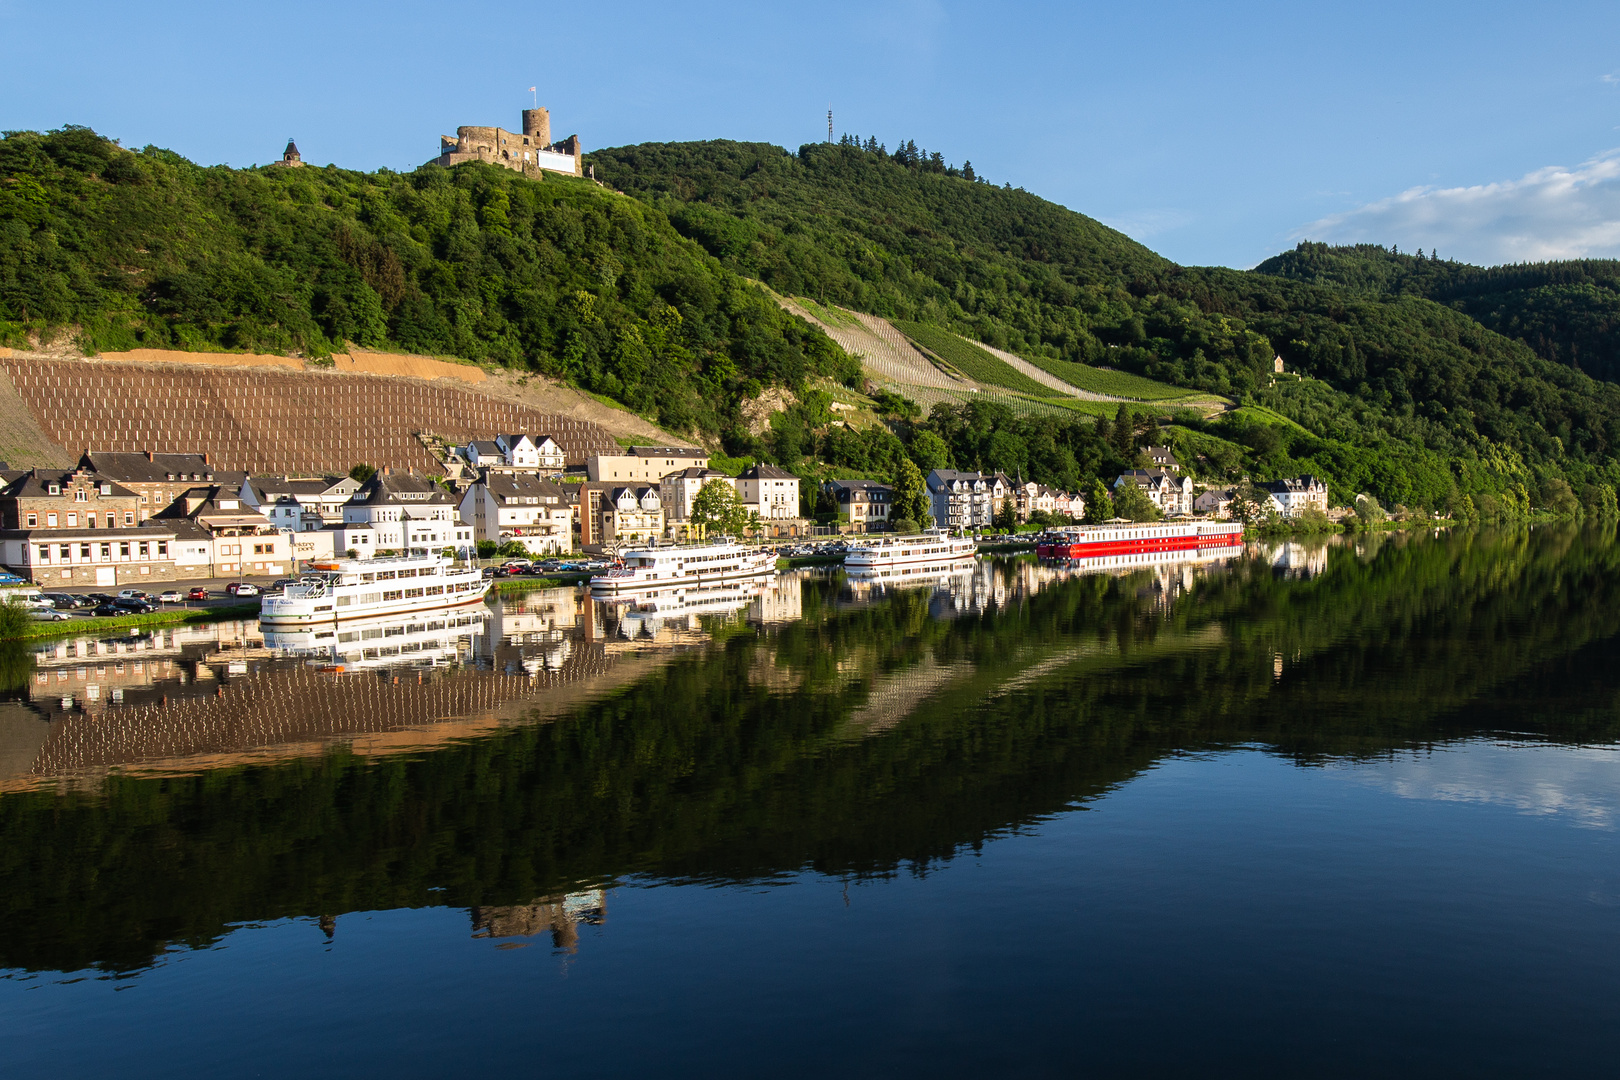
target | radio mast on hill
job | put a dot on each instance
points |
(829, 124)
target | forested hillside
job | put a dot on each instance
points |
(561, 276)
(1568, 312)
(1405, 394)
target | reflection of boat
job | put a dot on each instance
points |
(358, 588)
(903, 556)
(685, 564)
(1137, 538)
(1136, 560)
(647, 611)
(946, 572)
(418, 637)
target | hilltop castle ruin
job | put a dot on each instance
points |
(529, 153)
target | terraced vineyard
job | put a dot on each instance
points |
(1113, 383)
(971, 360)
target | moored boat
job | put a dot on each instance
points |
(903, 556)
(365, 588)
(660, 567)
(1134, 538)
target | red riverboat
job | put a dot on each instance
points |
(1129, 538)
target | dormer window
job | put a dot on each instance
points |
(106, 489)
(55, 489)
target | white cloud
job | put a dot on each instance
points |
(1552, 213)
(1579, 784)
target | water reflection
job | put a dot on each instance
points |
(742, 734)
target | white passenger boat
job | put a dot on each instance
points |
(643, 569)
(930, 552)
(364, 588)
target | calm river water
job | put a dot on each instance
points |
(1336, 809)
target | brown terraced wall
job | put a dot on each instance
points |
(268, 420)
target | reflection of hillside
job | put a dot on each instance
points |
(786, 748)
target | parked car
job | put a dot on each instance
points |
(49, 614)
(242, 588)
(197, 592)
(172, 596)
(127, 605)
(135, 594)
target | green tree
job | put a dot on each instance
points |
(717, 506)
(362, 472)
(929, 451)
(1099, 504)
(910, 495)
(1558, 497)
(1130, 501)
(1006, 516)
(1251, 504)
(1124, 434)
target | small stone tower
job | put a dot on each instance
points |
(537, 126)
(290, 157)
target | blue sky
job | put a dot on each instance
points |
(1214, 133)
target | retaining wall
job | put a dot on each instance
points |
(268, 420)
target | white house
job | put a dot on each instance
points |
(1293, 497)
(515, 506)
(770, 492)
(1170, 493)
(647, 464)
(865, 503)
(299, 504)
(1216, 502)
(482, 453)
(402, 512)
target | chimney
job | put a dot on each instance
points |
(388, 470)
(208, 459)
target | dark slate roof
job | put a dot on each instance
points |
(766, 472)
(662, 451)
(485, 448)
(157, 468)
(36, 484)
(524, 485)
(399, 488)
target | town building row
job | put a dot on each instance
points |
(121, 518)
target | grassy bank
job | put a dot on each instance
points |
(98, 624)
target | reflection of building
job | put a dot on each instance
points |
(559, 916)
(1298, 560)
(780, 601)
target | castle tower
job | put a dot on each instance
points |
(537, 125)
(290, 156)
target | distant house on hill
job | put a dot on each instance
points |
(1160, 457)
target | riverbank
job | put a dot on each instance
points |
(98, 624)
